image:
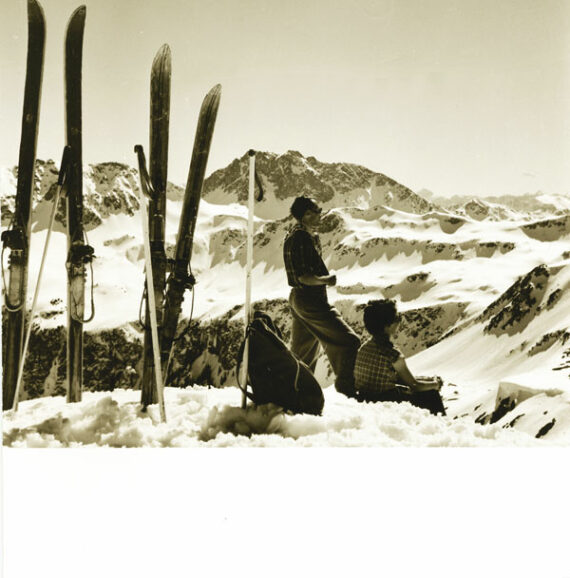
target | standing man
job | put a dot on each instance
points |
(314, 319)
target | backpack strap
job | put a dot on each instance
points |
(295, 384)
(268, 321)
(243, 388)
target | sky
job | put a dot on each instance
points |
(466, 97)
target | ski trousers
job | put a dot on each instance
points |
(430, 399)
(316, 322)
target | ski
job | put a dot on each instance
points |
(79, 253)
(17, 237)
(180, 277)
(158, 168)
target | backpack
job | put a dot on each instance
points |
(275, 374)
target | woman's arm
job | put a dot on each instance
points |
(404, 373)
(408, 379)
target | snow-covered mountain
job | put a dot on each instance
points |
(483, 287)
(291, 174)
(108, 189)
(538, 203)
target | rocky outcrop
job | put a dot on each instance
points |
(111, 358)
(289, 175)
(478, 210)
(108, 189)
(548, 229)
(519, 305)
(366, 252)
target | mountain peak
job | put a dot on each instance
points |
(291, 174)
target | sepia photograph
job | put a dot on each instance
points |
(289, 271)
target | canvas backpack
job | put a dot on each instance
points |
(275, 374)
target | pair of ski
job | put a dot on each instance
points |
(164, 296)
(17, 237)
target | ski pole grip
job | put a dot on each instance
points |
(146, 185)
(251, 153)
(139, 150)
(64, 165)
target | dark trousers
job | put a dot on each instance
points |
(316, 322)
(430, 399)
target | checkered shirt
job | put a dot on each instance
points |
(374, 370)
(302, 254)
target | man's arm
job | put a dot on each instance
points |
(303, 255)
(313, 280)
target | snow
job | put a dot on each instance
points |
(417, 495)
(199, 416)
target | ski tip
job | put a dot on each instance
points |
(78, 14)
(35, 10)
(215, 91)
(164, 50)
(161, 62)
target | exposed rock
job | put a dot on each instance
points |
(289, 175)
(110, 359)
(548, 340)
(516, 308)
(549, 229)
(411, 287)
(108, 189)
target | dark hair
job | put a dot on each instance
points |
(378, 314)
(301, 205)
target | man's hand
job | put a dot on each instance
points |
(330, 280)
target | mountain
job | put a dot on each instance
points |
(108, 189)
(291, 174)
(535, 204)
(482, 288)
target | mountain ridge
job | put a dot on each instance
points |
(111, 188)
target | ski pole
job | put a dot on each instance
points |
(150, 282)
(249, 264)
(60, 184)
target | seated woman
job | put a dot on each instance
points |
(380, 367)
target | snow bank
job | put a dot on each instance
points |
(206, 417)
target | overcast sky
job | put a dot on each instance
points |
(457, 96)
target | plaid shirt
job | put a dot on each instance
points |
(374, 370)
(302, 254)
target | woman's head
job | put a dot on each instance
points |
(380, 315)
